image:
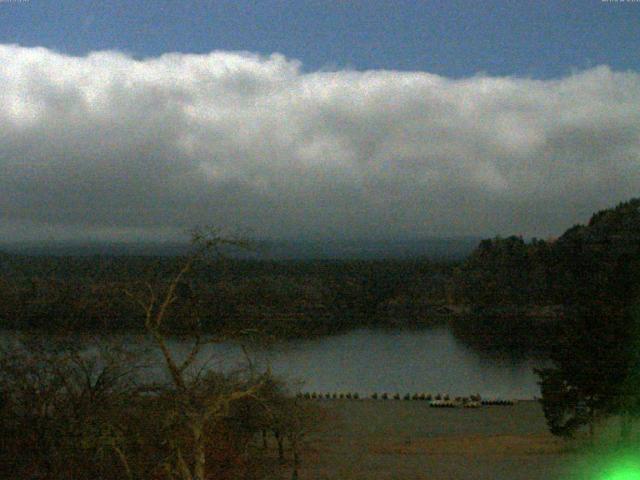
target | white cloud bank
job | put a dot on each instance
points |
(107, 143)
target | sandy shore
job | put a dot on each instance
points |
(370, 439)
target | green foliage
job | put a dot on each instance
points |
(592, 364)
(597, 355)
(600, 262)
(592, 273)
(561, 403)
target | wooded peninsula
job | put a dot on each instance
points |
(509, 294)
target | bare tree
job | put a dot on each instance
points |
(58, 395)
(304, 419)
(289, 418)
(77, 407)
(198, 399)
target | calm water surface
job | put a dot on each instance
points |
(367, 361)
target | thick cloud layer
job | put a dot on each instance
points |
(108, 144)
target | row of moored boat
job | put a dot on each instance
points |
(438, 400)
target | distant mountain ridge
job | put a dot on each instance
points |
(436, 248)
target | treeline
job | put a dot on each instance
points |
(523, 293)
(286, 299)
(509, 295)
(598, 260)
(587, 282)
(508, 272)
(77, 406)
(596, 363)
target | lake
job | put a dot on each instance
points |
(367, 361)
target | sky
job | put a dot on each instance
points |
(315, 119)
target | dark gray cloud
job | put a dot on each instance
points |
(107, 145)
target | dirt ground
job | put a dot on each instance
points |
(376, 439)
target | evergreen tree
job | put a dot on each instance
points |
(593, 363)
(597, 356)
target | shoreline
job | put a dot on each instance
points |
(406, 439)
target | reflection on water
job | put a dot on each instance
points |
(368, 361)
